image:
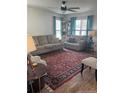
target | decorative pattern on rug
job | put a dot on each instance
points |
(62, 66)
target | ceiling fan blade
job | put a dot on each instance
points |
(74, 8)
(71, 10)
(53, 7)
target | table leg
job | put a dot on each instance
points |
(96, 74)
(39, 85)
(31, 86)
(82, 68)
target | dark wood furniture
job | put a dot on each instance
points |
(35, 80)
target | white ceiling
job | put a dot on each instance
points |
(54, 5)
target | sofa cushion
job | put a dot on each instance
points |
(52, 39)
(42, 40)
(41, 47)
(52, 45)
(71, 44)
(72, 40)
(55, 40)
(49, 38)
(82, 42)
(78, 38)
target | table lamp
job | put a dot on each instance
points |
(30, 47)
(92, 33)
(30, 44)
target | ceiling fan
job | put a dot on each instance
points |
(65, 8)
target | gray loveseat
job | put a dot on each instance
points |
(46, 43)
(77, 43)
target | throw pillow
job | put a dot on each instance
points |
(72, 40)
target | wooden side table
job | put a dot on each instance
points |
(36, 75)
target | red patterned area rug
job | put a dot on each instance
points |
(62, 66)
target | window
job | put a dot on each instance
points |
(81, 26)
(58, 28)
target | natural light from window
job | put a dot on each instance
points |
(58, 29)
(81, 26)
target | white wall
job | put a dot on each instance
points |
(81, 15)
(39, 21)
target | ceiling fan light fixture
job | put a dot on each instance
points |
(65, 8)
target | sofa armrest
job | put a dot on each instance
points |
(82, 43)
(37, 45)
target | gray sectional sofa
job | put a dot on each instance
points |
(46, 43)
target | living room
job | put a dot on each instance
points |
(66, 70)
(62, 34)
